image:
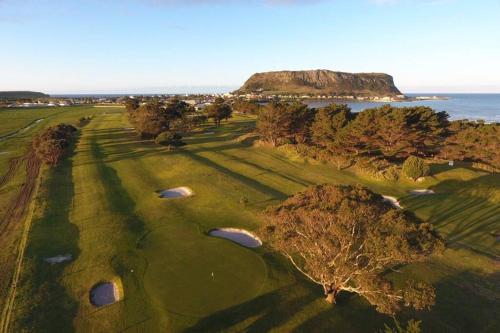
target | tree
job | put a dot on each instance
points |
(150, 120)
(406, 131)
(413, 326)
(274, 123)
(280, 123)
(394, 132)
(155, 117)
(169, 138)
(472, 141)
(415, 167)
(301, 118)
(178, 114)
(50, 145)
(219, 111)
(247, 107)
(328, 122)
(346, 238)
(131, 104)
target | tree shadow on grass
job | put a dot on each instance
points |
(117, 196)
(267, 190)
(121, 144)
(467, 301)
(467, 212)
(286, 306)
(271, 309)
(45, 304)
(297, 305)
(264, 170)
(127, 262)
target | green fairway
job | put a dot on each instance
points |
(101, 205)
(23, 124)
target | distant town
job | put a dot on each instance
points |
(198, 101)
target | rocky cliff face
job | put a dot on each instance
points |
(321, 82)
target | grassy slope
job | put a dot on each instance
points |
(117, 228)
(16, 146)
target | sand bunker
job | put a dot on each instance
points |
(422, 192)
(393, 201)
(58, 259)
(104, 293)
(178, 192)
(239, 236)
(209, 133)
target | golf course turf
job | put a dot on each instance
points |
(100, 206)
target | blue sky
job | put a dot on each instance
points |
(160, 46)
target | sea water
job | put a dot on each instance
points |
(459, 106)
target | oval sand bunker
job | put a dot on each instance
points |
(104, 293)
(393, 201)
(421, 192)
(58, 259)
(178, 192)
(239, 236)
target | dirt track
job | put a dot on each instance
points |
(11, 170)
(20, 207)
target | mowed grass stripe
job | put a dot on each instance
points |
(106, 240)
(166, 265)
(181, 257)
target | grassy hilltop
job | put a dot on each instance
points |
(101, 205)
(15, 95)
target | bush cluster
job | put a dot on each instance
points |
(473, 141)
(170, 139)
(415, 167)
(50, 145)
(379, 137)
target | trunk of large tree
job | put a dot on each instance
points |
(330, 298)
(331, 295)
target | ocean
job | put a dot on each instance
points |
(459, 106)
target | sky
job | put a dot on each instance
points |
(177, 46)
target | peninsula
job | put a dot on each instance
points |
(321, 82)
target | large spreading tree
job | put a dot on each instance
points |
(50, 145)
(274, 123)
(394, 132)
(347, 238)
(327, 124)
(477, 142)
(281, 123)
(219, 111)
(246, 107)
(154, 117)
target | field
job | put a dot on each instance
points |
(101, 206)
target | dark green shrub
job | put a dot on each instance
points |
(415, 167)
(49, 146)
(168, 138)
